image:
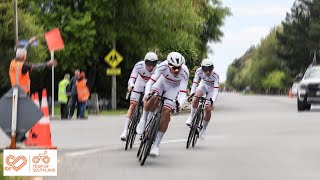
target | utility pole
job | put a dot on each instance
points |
(114, 77)
(16, 22)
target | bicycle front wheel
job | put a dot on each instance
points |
(132, 127)
(153, 133)
(193, 129)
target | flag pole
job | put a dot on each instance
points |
(52, 104)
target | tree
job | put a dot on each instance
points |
(300, 35)
(256, 64)
(274, 80)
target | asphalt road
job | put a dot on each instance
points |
(249, 138)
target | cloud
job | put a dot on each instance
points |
(251, 35)
(260, 10)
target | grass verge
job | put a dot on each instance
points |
(114, 112)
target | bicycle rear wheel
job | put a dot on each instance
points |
(153, 133)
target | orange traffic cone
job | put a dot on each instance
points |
(44, 124)
(290, 93)
(33, 132)
(40, 133)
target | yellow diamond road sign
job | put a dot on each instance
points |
(113, 58)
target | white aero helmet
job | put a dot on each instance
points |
(151, 56)
(207, 63)
(183, 60)
(175, 59)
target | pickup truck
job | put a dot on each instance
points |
(309, 89)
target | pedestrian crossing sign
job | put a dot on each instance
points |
(113, 58)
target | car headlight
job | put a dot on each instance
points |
(302, 89)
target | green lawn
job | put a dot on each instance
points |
(108, 112)
(114, 112)
(57, 111)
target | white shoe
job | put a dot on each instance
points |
(154, 151)
(123, 136)
(189, 120)
(203, 134)
(140, 127)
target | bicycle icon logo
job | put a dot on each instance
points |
(44, 157)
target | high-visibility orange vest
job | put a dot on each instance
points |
(16, 76)
(82, 90)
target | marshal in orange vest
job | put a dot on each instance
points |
(82, 88)
(17, 77)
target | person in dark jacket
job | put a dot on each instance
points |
(74, 94)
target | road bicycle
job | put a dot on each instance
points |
(151, 129)
(135, 118)
(196, 123)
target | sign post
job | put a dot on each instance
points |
(113, 59)
(14, 117)
(54, 42)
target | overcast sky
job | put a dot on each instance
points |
(251, 20)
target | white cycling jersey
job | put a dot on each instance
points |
(164, 81)
(140, 74)
(138, 79)
(209, 85)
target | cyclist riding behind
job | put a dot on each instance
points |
(140, 75)
(170, 78)
(209, 86)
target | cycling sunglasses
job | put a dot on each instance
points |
(207, 68)
(150, 63)
(174, 67)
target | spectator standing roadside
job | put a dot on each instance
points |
(63, 96)
(83, 94)
(74, 95)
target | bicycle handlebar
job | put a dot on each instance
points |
(160, 97)
(203, 99)
(128, 94)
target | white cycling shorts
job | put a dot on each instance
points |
(170, 92)
(139, 87)
(205, 89)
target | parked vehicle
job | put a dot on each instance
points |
(309, 89)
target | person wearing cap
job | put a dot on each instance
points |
(63, 96)
(19, 69)
(83, 94)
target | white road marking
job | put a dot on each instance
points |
(96, 150)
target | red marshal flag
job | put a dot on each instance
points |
(54, 40)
